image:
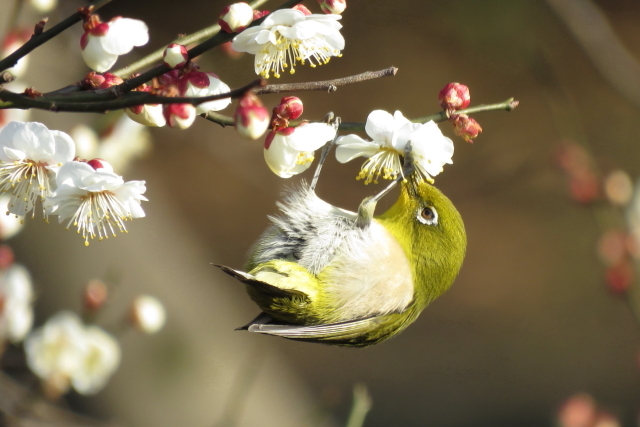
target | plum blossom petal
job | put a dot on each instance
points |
(287, 37)
(290, 152)
(391, 134)
(16, 293)
(102, 44)
(30, 155)
(100, 360)
(94, 199)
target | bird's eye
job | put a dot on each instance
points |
(428, 215)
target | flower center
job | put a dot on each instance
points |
(99, 214)
(26, 180)
(386, 163)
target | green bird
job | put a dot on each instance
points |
(324, 274)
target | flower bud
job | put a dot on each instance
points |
(147, 314)
(290, 108)
(333, 6)
(618, 187)
(454, 96)
(465, 127)
(147, 114)
(302, 9)
(619, 277)
(251, 117)
(94, 295)
(577, 411)
(235, 18)
(175, 56)
(179, 116)
(95, 80)
(257, 14)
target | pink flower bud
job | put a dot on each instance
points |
(95, 80)
(94, 295)
(175, 56)
(6, 257)
(333, 6)
(302, 9)
(613, 247)
(619, 277)
(465, 127)
(290, 108)
(577, 411)
(257, 14)
(454, 96)
(251, 117)
(179, 116)
(96, 163)
(235, 18)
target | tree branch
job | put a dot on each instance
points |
(130, 99)
(39, 39)
(328, 85)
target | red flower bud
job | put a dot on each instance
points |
(235, 17)
(94, 295)
(251, 117)
(333, 6)
(302, 9)
(95, 80)
(290, 107)
(454, 96)
(175, 56)
(465, 127)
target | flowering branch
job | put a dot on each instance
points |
(130, 99)
(156, 56)
(328, 85)
(39, 39)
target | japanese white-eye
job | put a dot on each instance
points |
(323, 274)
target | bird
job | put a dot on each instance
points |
(327, 275)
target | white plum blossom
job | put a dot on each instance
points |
(148, 115)
(430, 149)
(287, 36)
(175, 56)
(44, 6)
(100, 359)
(16, 296)
(235, 17)
(94, 199)
(199, 84)
(65, 352)
(30, 155)
(290, 151)
(103, 42)
(55, 351)
(147, 314)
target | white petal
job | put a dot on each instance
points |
(11, 154)
(380, 125)
(283, 17)
(124, 34)
(65, 148)
(402, 136)
(311, 136)
(96, 57)
(352, 146)
(280, 157)
(151, 115)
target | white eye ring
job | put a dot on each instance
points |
(427, 215)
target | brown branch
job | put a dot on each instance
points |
(130, 99)
(328, 85)
(39, 39)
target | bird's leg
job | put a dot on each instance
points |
(368, 205)
(335, 122)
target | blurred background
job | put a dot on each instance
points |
(529, 322)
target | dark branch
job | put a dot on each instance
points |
(328, 85)
(130, 99)
(38, 39)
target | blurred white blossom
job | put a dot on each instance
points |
(287, 36)
(30, 155)
(95, 199)
(44, 6)
(66, 352)
(103, 42)
(289, 151)
(16, 298)
(429, 147)
(10, 225)
(198, 84)
(147, 314)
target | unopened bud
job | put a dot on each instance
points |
(465, 127)
(235, 18)
(95, 80)
(251, 117)
(257, 14)
(179, 116)
(290, 108)
(302, 9)
(148, 114)
(613, 247)
(619, 277)
(333, 6)
(175, 56)
(94, 295)
(577, 411)
(454, 96)
(147, 314)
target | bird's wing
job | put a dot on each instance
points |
(355, 333)
(265, 288)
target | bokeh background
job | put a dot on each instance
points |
(529, 321)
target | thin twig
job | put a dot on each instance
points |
(328, 85)
(37, 40)
(196, 37)
(130, 99)
(361, 406)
